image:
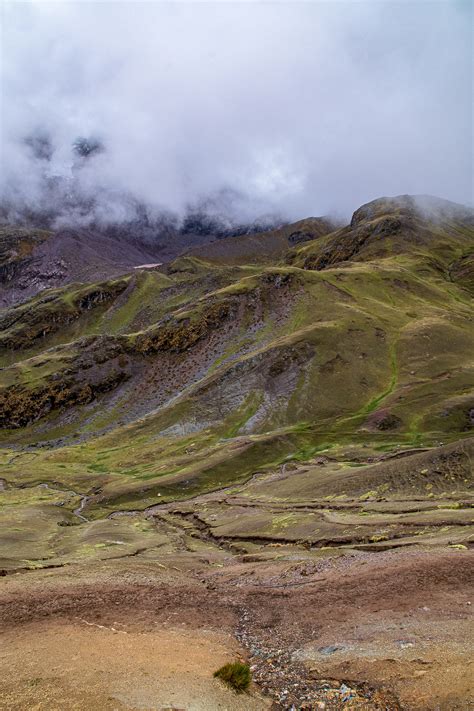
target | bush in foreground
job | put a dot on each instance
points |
(236, 675)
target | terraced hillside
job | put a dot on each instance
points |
(309, 396)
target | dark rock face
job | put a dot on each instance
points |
(462, 271)
(100, 364)
(350, 242)
(178, 336)
(97, 367)
(34, 260)
(22, 326)
(20, 407)
(299, 237)
(388, 422)
(17, 248)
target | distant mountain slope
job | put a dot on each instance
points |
(35, 259)
(266, 246)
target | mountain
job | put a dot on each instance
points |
(298, 392)
(360, 335)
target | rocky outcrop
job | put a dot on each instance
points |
(178, 335)
(23, 326)
(96, 365)
(462, 271)
(17, 245)
(20, 407)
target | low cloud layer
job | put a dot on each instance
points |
(252, 108)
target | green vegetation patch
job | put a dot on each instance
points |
(236, 674)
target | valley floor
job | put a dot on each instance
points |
(366, 630)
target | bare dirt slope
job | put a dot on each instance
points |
(386, 631)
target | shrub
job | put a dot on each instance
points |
(236, 675)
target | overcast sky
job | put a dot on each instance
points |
(301, 108)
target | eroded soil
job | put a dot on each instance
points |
(343, 583)
(387, 630)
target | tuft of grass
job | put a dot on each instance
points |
(236, 675)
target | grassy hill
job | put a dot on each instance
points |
(164, 384)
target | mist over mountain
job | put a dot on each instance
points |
(121, 112)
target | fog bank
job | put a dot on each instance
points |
(249, 108)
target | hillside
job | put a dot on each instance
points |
(299, 394)
(288, 358)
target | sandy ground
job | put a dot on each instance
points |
(395, 626)
(81, 666)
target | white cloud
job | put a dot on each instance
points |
(300, 108)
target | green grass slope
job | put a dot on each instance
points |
(166, 384)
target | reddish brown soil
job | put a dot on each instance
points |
(400, 621)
